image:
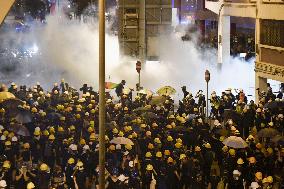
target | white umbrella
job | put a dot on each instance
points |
(121, 140)
(235, 142)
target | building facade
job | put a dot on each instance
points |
(269, 35)
(141, 22)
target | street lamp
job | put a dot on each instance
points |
(207, 79)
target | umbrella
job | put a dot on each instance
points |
(24, 116)
(231, 114)
(267, 133)
(150, 115)
(278, 140)
(156, 100)
(6, 95)
(19, 130)
(274, 105)
(142, 109)
(235, 142)
(12, 103)
(166, 90)
(110, 85)
(54, 116)
(121, 140)
(222, 132)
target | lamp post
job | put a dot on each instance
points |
(207, 79)
(101, 94)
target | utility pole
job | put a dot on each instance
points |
(142, 31)
(102, 94)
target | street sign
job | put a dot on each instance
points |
(138, 66)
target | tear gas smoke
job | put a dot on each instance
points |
(69, 49)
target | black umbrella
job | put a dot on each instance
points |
(231, 114)
(149, 115)
(267, 133)
(12, 103)
(278, 140)
(24, 116)
(19, 129)
(53, 116)
(274, 105)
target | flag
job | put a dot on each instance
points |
(110, 85)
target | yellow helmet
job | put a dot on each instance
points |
(179, 140)
(159, 154)
(112, 147)
(157, 140)
(149, 167)
(26, 145)
(43, 167)
(92, 123)
(115, 131)
(207, 145)
(82, 141)
(30, 185)
(6, 133)
(51, 130)
(178, 145)
(270, 179)
(92, 137)
(45, 133)
(258, 175)
(182, 156)
(225, 148)
(72, 128)
(120, 134)
(128, 147)
(170, 160)
(78, 116)
(197, 149)
(36, 132)
(232, 152)
(150, 146)
(8, 143)
(167, 152)
(270, 150)
(71, 161)
(34, 110)
(143, 125)
(60, 129)
(51, 137)
(148, 155)
(148, 133)
(170, 138)
(252, 160)
(240, 161)
(90, 129)
(169, 127)
(62, 118)
(6, 164)
(134, 135)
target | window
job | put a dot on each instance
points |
(272, 33)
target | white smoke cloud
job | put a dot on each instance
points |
(69, 49)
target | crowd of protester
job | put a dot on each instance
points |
(49, 139)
